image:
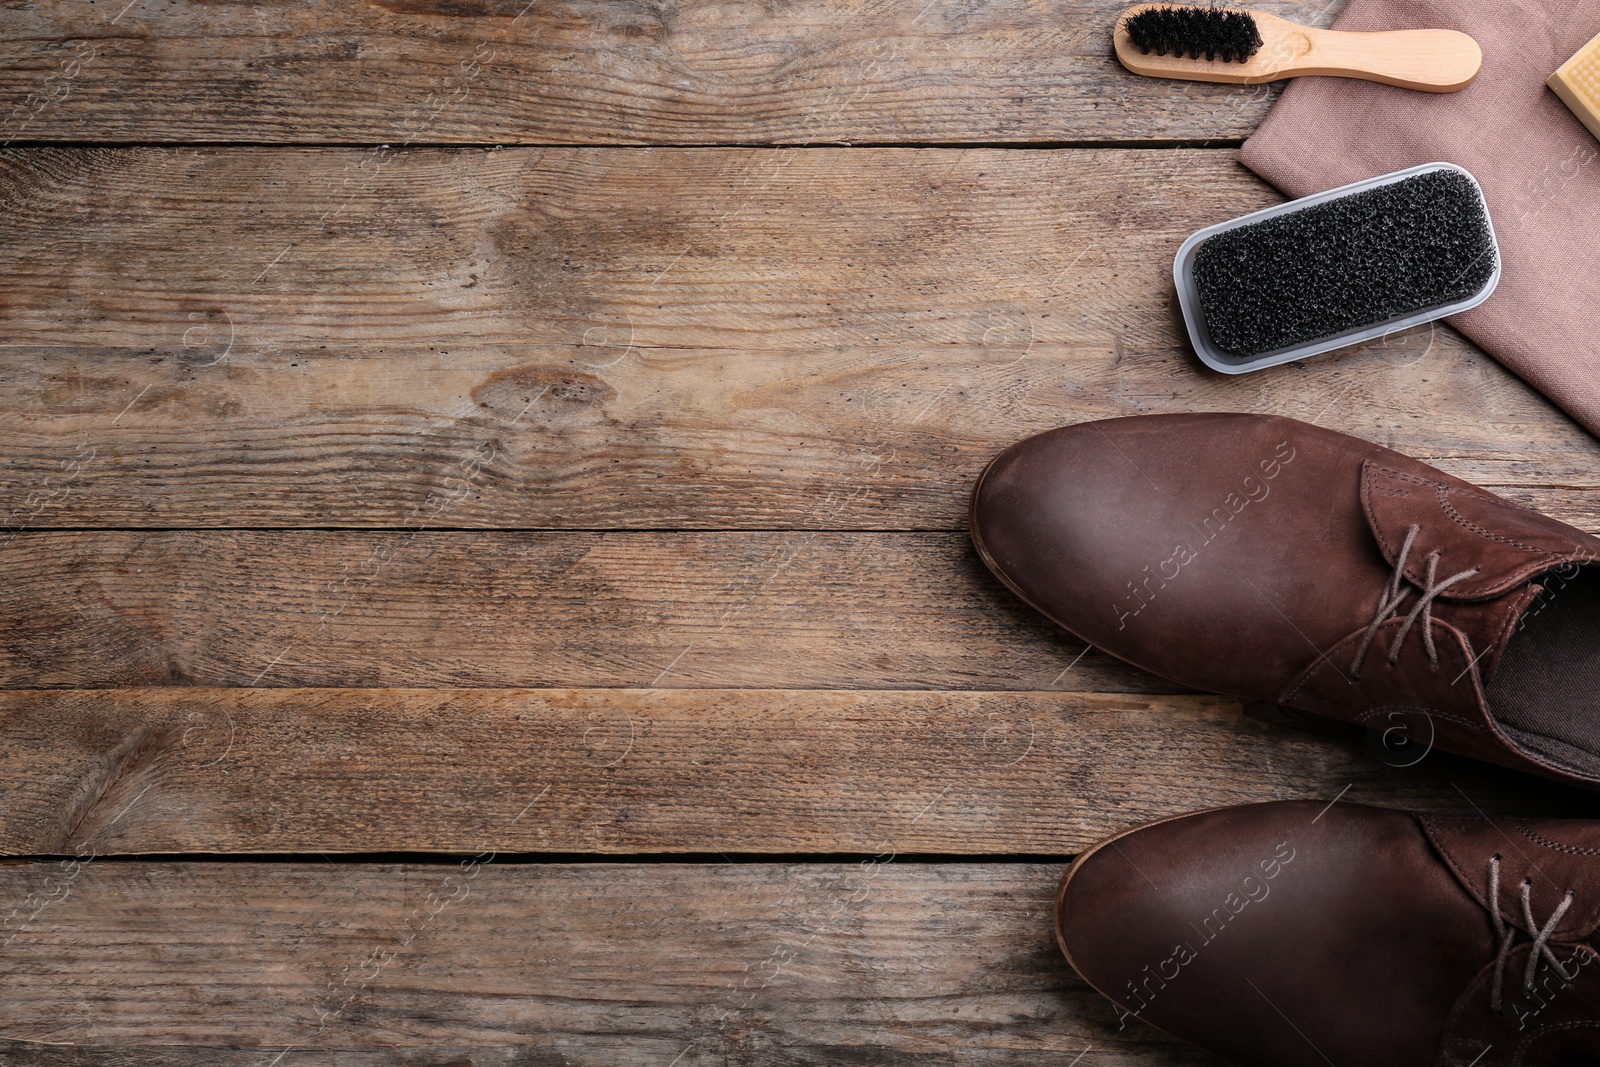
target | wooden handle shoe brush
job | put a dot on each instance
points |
(1217, 44)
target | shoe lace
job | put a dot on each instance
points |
(1394, 595)
(1507, 934)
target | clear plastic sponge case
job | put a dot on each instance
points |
(1194, 317)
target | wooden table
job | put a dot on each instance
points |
(487, 581)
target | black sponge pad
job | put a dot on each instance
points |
(1361, 260)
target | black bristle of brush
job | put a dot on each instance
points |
(1208, 33)
(1361, 260)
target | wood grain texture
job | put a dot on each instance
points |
(876, 962)
(822, 339)
(411, 609)
(710, 439)
(813, 350)
(390, 608)
(650, 771)
(613, 249)
(446, 1055)
(577, 71)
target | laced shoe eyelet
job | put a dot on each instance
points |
(1399, 589)
(1506, 932)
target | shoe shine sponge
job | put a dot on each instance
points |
(1338, 268)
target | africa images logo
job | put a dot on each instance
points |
(1253, 889)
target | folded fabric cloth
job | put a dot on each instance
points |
(1538, 165)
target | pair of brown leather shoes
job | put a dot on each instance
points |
(1278, 561)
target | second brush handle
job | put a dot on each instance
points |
(1435, 61)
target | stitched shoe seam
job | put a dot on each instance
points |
(1433, 826)
(1546, 1031)
(1443, 493)
(1539, 839)
(1447, 716)
(1366, 504)
(1429, 827)
(1312, 672)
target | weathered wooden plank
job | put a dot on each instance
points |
(614, 249)
(710, 439)
(409, 608)
(24, 1053)
(876, 962)
(685, 71)
(648, 771)
(406, 608)
(859, 372)
(594, 1051)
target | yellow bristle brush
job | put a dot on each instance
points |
(1577, 83)
(1218, 44)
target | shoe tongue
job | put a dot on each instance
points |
(1554, 855)
(1467, 528)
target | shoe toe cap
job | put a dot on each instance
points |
(1138, 535)
(1219, 926)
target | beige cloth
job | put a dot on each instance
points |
(1538, 165)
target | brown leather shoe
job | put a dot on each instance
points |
(1275, 560)
(1297, 933)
